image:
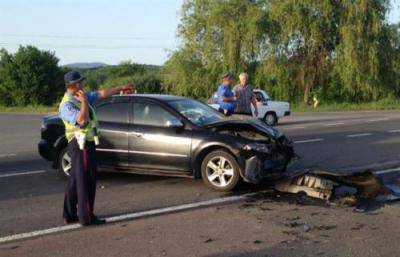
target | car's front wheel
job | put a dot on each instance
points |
(64, 163)
(220, 170)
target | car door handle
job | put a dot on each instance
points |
(136, 134)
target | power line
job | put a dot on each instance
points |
(91, 47)
(81, 37)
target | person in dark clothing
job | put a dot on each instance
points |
(80, 122)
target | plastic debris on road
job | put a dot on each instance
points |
(347, 188)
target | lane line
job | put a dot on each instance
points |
(394, 131)
(7, 155)
(309, 140)
(387, 171)
(39, 233)
(359, 135)
(143, 214)
(21, 173)
(379, 119)
(334, 124)
(296, 127)
(130, 216)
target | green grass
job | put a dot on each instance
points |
(384, 104)
(41, 109)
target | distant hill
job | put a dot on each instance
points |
(86, 65)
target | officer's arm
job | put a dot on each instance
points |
(107, 92)
(83, 116)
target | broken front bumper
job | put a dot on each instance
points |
(262, 170)
(265, 163)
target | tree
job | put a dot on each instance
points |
(217, 36)
(340, 50)
(304, 41)
(30, 76)
(362, 62)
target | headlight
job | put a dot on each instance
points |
(258, 147)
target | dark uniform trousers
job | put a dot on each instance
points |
(81, 188)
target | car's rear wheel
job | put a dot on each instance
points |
(270, 119)
(220, 171)
(64, 163)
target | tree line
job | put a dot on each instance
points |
(34, 77)
(336, 50)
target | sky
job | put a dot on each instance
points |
(109, 31)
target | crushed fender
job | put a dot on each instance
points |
(347, 188)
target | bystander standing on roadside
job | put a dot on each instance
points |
(245, 97)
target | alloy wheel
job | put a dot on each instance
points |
(219, 171)
(66, 164)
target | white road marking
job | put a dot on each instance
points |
(394, 131)
(39, 233)
(21, 173)
(296, 127)
(379, 119)
(387, 171)
(7, 155)
(360, 135)
(334, 124)
(308, 140)
(129, 216)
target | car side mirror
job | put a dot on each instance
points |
(174, 123)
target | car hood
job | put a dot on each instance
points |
(256, 123)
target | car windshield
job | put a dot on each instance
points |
(197, 112)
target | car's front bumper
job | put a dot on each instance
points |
(260, 170)
(46, 150)
(263, 167)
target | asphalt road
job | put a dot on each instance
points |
(31, 193)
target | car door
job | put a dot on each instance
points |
(113, 116)
(156, 142)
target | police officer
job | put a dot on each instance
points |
(80, 122)
(225, 96)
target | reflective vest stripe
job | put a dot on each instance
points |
(70, 129)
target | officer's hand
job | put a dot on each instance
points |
(81, 96)
(129, 89)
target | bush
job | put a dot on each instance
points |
(30, 76)
(148, 83)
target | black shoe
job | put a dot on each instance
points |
(70, 221)
(97, 221)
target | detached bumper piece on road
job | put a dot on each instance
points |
(350, 188)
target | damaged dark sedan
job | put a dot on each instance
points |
(176, 136)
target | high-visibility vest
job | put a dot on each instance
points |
(90, 130)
